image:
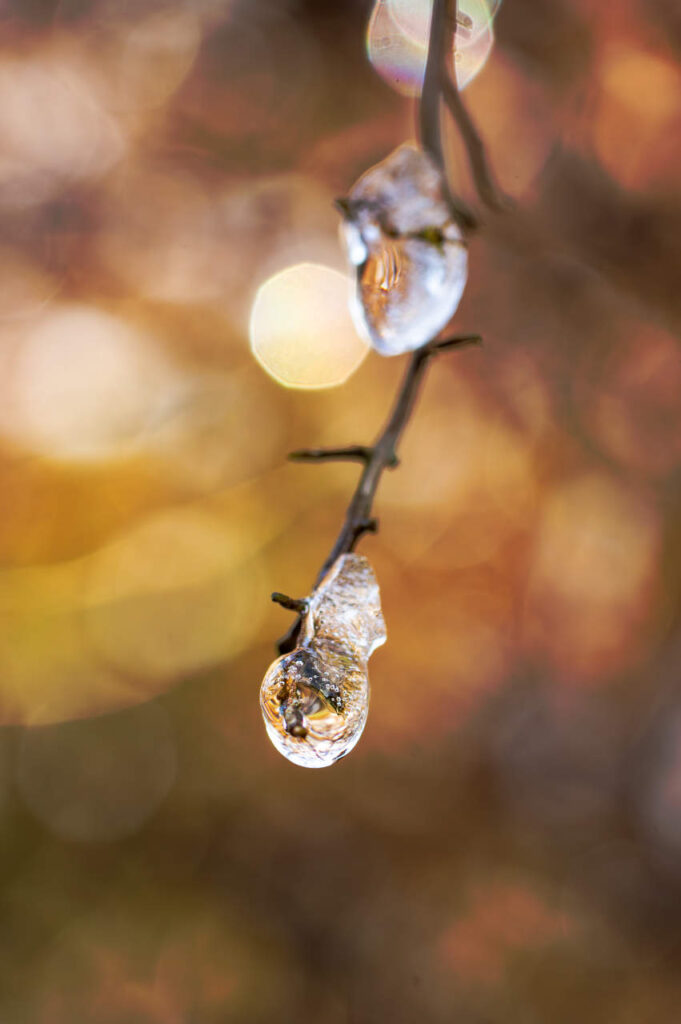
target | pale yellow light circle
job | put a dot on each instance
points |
(176, 593)
(173, 595)
(413, 18)
(397, 41)
(157, 55)
(301, 331)
(84, 385)
(52, 123)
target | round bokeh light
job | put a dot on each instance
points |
(301, 331)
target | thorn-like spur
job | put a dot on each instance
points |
(353, 453)
(365, 526)
(344, 207)
(456, 341)
(292, 604)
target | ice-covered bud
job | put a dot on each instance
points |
(409, 253)
(315, 700)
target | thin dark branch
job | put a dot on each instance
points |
(353, 453)
(292, 604)
(440, 85)
(358, 518)
(455, 341)
(384, 449)
(475, 149)
(430, 126)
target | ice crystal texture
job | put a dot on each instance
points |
(315, 700)
(409, 253)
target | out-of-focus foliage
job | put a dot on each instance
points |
(504, 845)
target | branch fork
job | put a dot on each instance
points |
(439, 86)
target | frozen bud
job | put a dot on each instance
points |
(315, 700)
(410, 254)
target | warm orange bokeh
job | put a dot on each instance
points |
(504, 843)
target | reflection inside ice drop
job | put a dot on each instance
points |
(409, 254)
(315, 700)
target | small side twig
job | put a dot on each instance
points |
(353, 453)
(292, 604)
(358, 518)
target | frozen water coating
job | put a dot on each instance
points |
(315, 700)
(410, 255)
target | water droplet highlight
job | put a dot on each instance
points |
(315, 700)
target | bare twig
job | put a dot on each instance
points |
(439, 86)
(477, 157)
(430, 127)
(382, 455)
(353, 453)
(292, 604)
(429, 108)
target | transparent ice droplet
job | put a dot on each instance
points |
(315, 700)
(409, 254)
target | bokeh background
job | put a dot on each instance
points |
(504, 845)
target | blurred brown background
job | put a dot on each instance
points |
(504, 845)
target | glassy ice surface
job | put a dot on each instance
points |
(397, 41)
(410, 256)
(315, 700)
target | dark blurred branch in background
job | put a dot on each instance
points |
(438, 86)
